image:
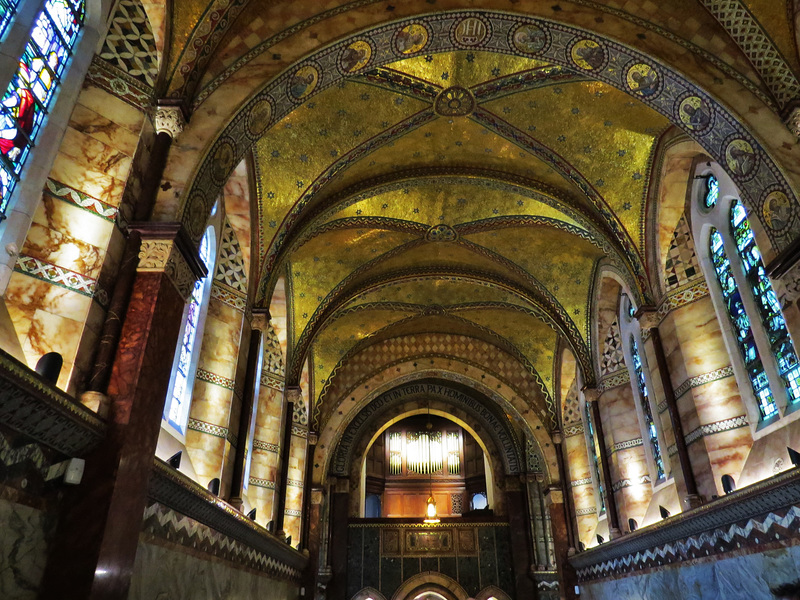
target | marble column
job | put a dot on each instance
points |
(309, 469)
(539, 522)
(649, 320)
(169, 123)
(554, 499)
(520, 542)
(340, 502)
(259, 323)
(281, 483)
(94, 547)
(592, 396)
(572, 525)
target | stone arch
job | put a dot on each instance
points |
(483, 416)
(607, 287)
(492, 591)
(368, 593)
(430, 581)
(712, 125)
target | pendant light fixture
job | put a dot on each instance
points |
(431, 517)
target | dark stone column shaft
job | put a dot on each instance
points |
(611, 501)
(563, 475)
(522, 555)
(283, 469)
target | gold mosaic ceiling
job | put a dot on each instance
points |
(480, 216)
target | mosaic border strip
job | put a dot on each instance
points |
(209, 428)
(219, 380)
(625, 445)
(581, 512)
(271, 380)
(119, 84)
(617, 379)
(62, 191)
(262, 483)
(716, 427)
(696, 291)
(293, 512)
(300, 430)
(224, 295)
(580, 482)
(626, 483)
(573, 430)
(262, 445)
(699, 380)
(55, 275)
(294, 483)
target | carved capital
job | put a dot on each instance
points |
(166, 249)
(793, 121)
(169, 120)
(557, 436)
(313, 438)
(648, 318)
(293, 394)
(553, 495)
(259, 319)
(591, 394)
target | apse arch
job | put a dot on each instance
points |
(688, 107)
(430, 581)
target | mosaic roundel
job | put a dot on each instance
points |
(411, 38)
(777, 210)
(741, 158)
(529, 39)
(259, 118)
(355, 56)
(441, 233)
(470, 32)
(695, 113)
(455, 101)
(222, 163)
(589, 55)
(643, 80)
(303, 82)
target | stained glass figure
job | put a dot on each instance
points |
(644, 399)
(769, 308)
(712, 191)
(178, 404)
(26, 101)
(741, 327)
(595, 449)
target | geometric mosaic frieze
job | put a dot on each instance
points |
(65, 278)
(681, 265)
(612, 359)
(130, 44)
(230, 265)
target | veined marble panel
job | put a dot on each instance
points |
(23, 551)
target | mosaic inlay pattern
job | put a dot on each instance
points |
(613, 358)
(681, 266)
(45, 271)
(130, 44)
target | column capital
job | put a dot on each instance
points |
(648, 317)
(591, 394)
(553, 495)
(169, 119)
(293, 393)
(793, 121)
(167, 248)
(557, 436)
(260, 318)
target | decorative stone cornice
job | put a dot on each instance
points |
(169, 120)
(648, 318)
(293, 394)
(260, 319)
(592, 394)
(166, 248)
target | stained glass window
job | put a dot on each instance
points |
(741, 327)
(180, 398)
(644, 398)
(25, 103)
(769, 308)
(595, 449)
(712, 191)
(7, 10)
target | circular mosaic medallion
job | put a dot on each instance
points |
(471, 31)
(455, 101)
(355, 57)
(411, 38)
(259, 118)
(740, 157)
(643, 80)
(222, 163)
(529, 39)
(441, 233)
(303, 82)
(777, 211)
(695, 113)
(588, 55)
(196, 215)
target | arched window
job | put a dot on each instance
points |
(594, 451)
(764, 352)
(644, 401)
(176, 409)
(32, 87)
(7, 10)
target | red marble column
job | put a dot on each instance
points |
(94, 547)
(522, 554)
(554, 499)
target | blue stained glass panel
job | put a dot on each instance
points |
(595, 459)
(26, 100)
(767, 303)
(712, 191)
(644, 398)
(7, 10)
(741, 327)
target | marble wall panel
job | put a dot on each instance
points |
(268, 415)
(618, 411)
(206, 452)
(727, 451)
(769, 456)
(163, 571)
(23, 550)
(237, 209)
(211, 403)
(749, 576)
(634, 498)
(221, 338)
